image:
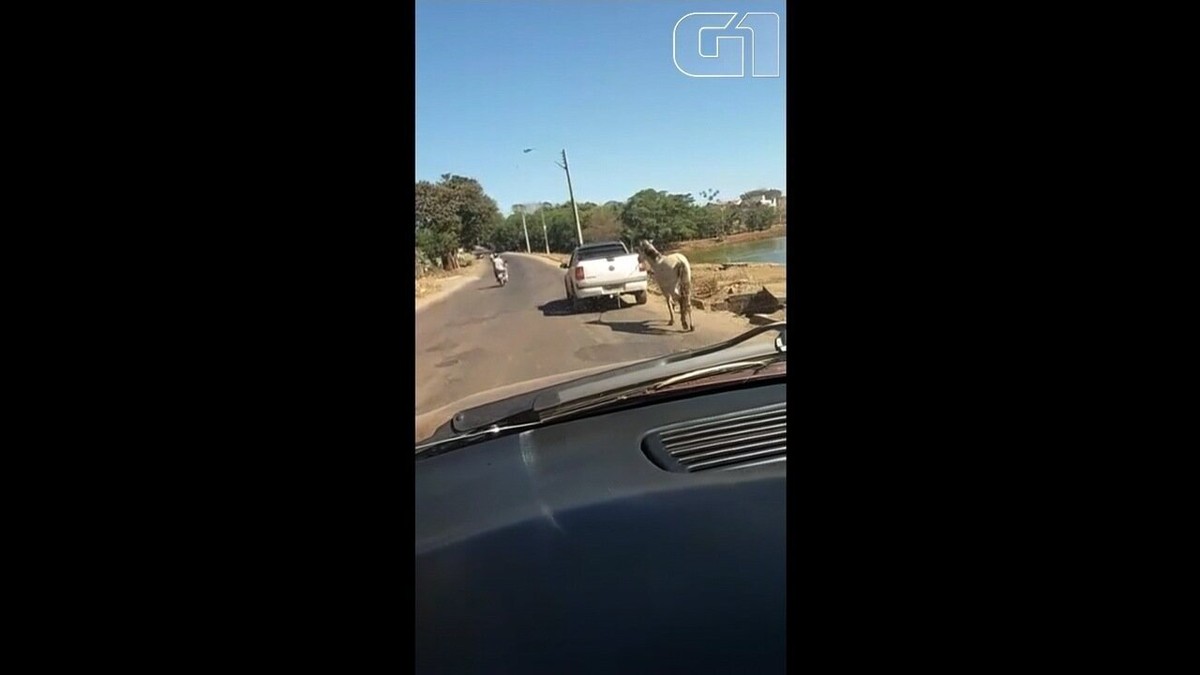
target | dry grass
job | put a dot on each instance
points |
(710, 281)
(432, 281)
(706, 286)
(427, 285)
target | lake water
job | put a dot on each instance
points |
(772, 250)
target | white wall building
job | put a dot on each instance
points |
(762, 199)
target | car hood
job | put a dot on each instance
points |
(427, 423)
(480, 409)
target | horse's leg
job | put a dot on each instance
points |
(670, 312)
(685, 297)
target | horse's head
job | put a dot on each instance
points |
(647, 250)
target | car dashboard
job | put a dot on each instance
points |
(648, 539)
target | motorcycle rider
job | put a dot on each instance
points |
(498, 266)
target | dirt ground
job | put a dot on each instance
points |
(711, 281)
(729, 322)
(426, 286)
(432, 281)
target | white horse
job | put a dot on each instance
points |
(673, 274)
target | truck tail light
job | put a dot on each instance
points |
(579, 273)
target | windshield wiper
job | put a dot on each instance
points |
(448, 443)
(608, 399)
(613, 398)
(524, 407)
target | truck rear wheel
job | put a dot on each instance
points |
(640, 297)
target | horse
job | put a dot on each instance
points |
(673, 273)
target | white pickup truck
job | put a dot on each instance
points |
(604, 269)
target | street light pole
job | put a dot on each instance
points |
(571, 191)
(527, 247)
(542, 211)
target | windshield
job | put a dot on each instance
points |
(601, 252)
(542, 127)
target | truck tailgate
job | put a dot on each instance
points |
(610, 271)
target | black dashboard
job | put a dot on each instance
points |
(650, 539)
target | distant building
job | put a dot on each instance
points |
(773, 203)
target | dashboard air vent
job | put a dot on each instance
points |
(725, 443)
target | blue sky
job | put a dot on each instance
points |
(597, 78)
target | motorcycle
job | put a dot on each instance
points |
(501, 276)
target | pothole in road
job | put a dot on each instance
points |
(469, 354)
(618, 352)
(474, 320)
(442, 346)
(455, 359)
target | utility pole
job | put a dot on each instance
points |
(527, 247)
(571, 191)
(542, 211)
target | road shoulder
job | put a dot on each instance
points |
(449, 286)
(725, 322)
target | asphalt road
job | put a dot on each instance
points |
(484, 336)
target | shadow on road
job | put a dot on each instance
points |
(488, 287)
(560, 307)
(643, 327)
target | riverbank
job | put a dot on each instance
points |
(713, 281)
(695, 244)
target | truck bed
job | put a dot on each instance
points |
(608, 265)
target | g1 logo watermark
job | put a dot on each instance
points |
(728, 55)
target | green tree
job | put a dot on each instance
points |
(453, 213)
(659, 216)
(437, 223)
(475, 209)
(508, 235)
(708, 221)
(757, 216)
(560, 227)
(602, 224)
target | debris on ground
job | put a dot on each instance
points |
(742, 288)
